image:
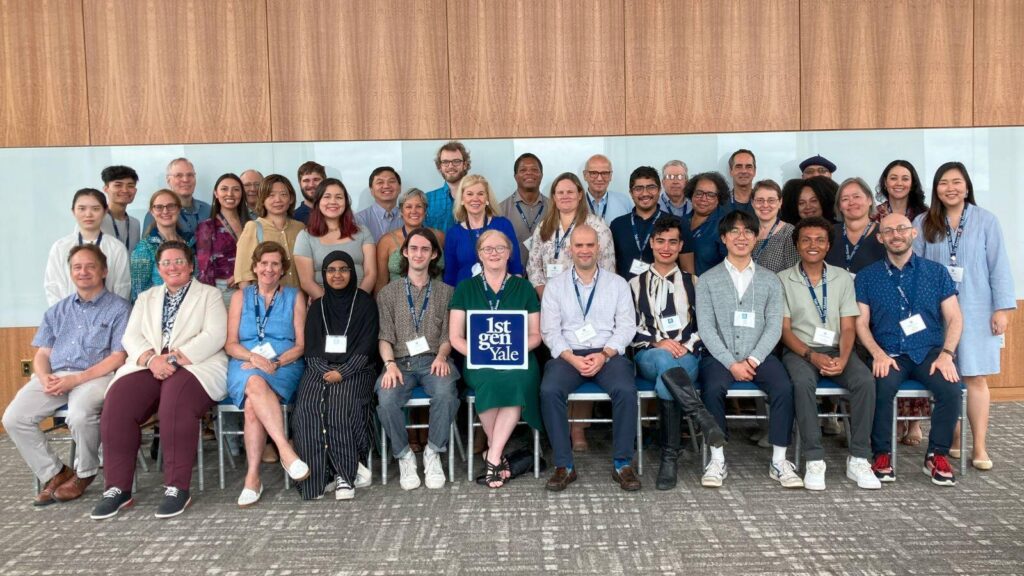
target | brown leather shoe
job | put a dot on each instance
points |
(627, 479)
(45, 496)
(72, 489)
(561, 479)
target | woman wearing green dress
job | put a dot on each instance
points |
(503, 397)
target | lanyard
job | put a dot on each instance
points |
(529, 225)
(954, 245)
(347, 323)
(604, 210)
(261, 323)
(701, 229)
(846, 243)
(405, 233)
(100, 239)
(822, 307)
(576, 287)
(636, 234)
(764, 243)
(494, 304)
(906, 211)
(666, 205)
(732, 200)
(127, 229)
(899, 287)
(225, 224)
(417, 319)
(560, 239)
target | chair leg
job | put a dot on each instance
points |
(199, 459)
(469, 439)
(639, 436)
(284, 416)
(895, 419)
(383, 456)
(693, 436)
(536, 453)
(963, 432)
(452, 439)
(219, 433)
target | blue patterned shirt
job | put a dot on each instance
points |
(81, 333)
(439, 209)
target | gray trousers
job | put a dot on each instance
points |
(31, 406)
(856, 378)
(444, 403)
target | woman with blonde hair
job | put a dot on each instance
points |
(475, 210)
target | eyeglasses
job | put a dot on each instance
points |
(489, 250)
(165, 208)
(816, 171)
(899, 230)
(738, 232)
(674, 177)
(453, 163)
(766, 201)
(180, 175)
(606, 174)
(338, 270)
(641, 188)
(176, 262)
(703, 194)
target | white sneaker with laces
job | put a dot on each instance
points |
(363, 476)
(343, 490)
(433, 472)
(814, 476)
(715, 472)
(785, 473)
(409, 479)
(859, 470)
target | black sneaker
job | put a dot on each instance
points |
(111, 503)
(175, 502)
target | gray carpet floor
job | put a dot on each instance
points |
(749, 526)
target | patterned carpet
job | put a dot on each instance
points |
(749, 526)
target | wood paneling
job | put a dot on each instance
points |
(177, 71)
(358, 70)
(712, 66)
(886, 64)
(1012, 357)
(998, 66)
(536, 68)
(42, 74)
(15, 346)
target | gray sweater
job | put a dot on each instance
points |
(716, 304)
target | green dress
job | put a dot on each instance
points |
(500, 388)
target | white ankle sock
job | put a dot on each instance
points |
(778, 454)
(718, 453)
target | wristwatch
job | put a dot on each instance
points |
(606, 355)
(952, 354)
(807, 354)
(172, 360)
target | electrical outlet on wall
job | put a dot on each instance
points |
(26, 368)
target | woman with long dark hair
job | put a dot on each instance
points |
(900, 191)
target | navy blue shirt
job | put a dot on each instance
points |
(302, 213)
(626, 239)
(925, 286)
(704, 242)
(867, 251)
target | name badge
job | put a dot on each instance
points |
(638, 267)
(264, 349)
(528, 243)
(417, 346)
(957, 273)
(671, 323)
(477, 269)
(554, 270)
(824, 337)
(336, 345)
(586, 332)
(743, 319)
(912, 325)
(1002, 340)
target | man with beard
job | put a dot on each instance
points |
(310, 174)
(452, 162)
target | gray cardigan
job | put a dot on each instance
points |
(717, 303)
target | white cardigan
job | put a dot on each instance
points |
(199, 331)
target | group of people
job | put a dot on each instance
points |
(687, 282)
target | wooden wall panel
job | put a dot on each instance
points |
(712, 66)
(355, 70)
(42, 74)
(15, 345)
(998, 66)
(177, 71)
(527, 68)
(885, 63)
(1012, 357)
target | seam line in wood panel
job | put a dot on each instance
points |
(625, 74)
(448, 69)
(799, 67)
(270, 70)
(85, 62)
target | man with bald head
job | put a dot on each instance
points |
(910, 323)
(251, 180)
(607, 205)
(587, 320)
(181, 179)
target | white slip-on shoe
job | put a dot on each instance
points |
(814, 476)
(248, 497)
(297, 471)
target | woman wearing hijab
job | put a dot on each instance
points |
(337, 386)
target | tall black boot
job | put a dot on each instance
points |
(670, 422)
(680, 387)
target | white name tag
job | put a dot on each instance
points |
(264, 349)
(418, 346)
(743, 319)
(336, 345)
(912, 325)
(956, 272)
(1002, 340)
(477, 269)
(586, 333)
(638, 267)
(671, 323)
(824, 337)
(554, 270)
(528, 243)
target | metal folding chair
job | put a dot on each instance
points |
(914, 389)
(472, 423)
(225, 406)
(419, 399)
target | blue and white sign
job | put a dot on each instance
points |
(497, 339)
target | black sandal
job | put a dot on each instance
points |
(493, 475)
(505, 467)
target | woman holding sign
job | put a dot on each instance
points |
(337, 386)
(967, 239)
(503, 396)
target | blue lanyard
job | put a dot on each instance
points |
(100, 239)
(822, 307)
(494, 304)
(764, 243)
(576, 287)
(604, 210)
(417, 319)
(666, 205)
(906, 211)
(954, 245)
(405, 233)
(529, 226)
(560, 239)
(636, 234)
(846, 243)
(898, 282)
(127, 229)
(699, 232)
(732, 200)
(261, 323)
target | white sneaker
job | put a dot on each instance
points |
(859, 470)
(715, 472)
(408, 478)
(363, 476)
(343, 490)
(814, 477)
(433, 472)
(785, 474)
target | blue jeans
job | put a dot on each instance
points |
(444, 403)
(653, 362)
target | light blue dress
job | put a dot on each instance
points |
(987, 285)
(280, 333)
